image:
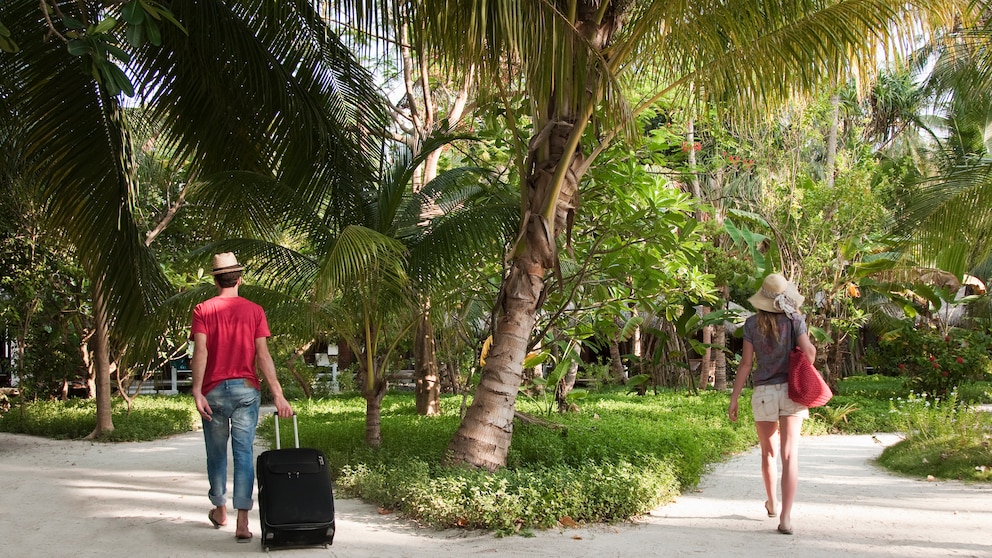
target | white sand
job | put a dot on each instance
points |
(74, 498)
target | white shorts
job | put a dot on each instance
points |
(770, 402)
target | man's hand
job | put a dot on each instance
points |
(283, 408)
(202, 406)
(732, 411)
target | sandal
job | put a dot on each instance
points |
(210, 516)
(784, 530)
(770, 509)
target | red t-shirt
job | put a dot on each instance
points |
(231, 324)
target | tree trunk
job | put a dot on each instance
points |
(705, 368)
(720, 358)
(101, 357)
(616, 362)
(554, 166)
(565, 386)
(830, 171)
(427, 390)
(373, 413)
(291, 366)
(483, 438)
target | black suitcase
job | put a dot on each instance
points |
(295, 498)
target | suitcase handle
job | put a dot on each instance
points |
(296, 431)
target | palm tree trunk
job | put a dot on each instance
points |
(483, 438)
(373, 414)
(101, 357)
(427, 390)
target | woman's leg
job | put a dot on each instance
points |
(791, 428)
(767, 436)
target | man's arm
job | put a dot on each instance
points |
(263, 361)
(199, 365)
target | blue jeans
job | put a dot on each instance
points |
(234, 404)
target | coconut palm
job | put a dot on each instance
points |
(364, 272)
(260, 86)
(948, 220)
(574, 60)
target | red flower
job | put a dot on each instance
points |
(960, 360)
(932, 358)
(947, 338)
(944, 374)
(902, 366)
(936, 365)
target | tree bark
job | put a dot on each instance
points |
(427, 388)
(101, 357)
(565, 386)
(373, 414)
(291, 366)
(616, 362)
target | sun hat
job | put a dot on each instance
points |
(778, 295)
(225, 262)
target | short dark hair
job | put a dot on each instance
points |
(227, 280)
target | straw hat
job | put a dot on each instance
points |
(225, 263)
(777, 295)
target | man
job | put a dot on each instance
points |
(229, 344)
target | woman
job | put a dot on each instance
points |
(768, 339)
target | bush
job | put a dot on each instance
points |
(935, 363)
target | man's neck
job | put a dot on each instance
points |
(227, 292)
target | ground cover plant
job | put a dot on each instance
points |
(620, 456)
(149, 419)
(945, 439)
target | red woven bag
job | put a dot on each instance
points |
(806, 385)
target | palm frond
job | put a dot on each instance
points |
(70, 137)
(312, 102)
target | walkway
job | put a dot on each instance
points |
(74, 498)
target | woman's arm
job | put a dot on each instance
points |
(807, 347)
(743, 371)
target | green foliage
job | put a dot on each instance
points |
(618, 457)
(150, 419)
(935, 363)
(944, 439)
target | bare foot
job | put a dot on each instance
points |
(218, 516)
(242, 533)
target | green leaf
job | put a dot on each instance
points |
(117, 53)
(7, 44)
(154, 33)
(72, 23)
(819, 334)
(133, 12)
(536, 359)
(158, 11)
(119, 79)
(135, 35)
(78, 48)
(105, 25)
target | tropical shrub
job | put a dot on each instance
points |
(932, 362)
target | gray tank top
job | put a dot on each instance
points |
(772, 354)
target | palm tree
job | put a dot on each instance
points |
(948, 219)
(360, 273)
(240, 85)
(573, 61)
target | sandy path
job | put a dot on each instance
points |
(73, 498)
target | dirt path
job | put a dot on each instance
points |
(73, 498)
